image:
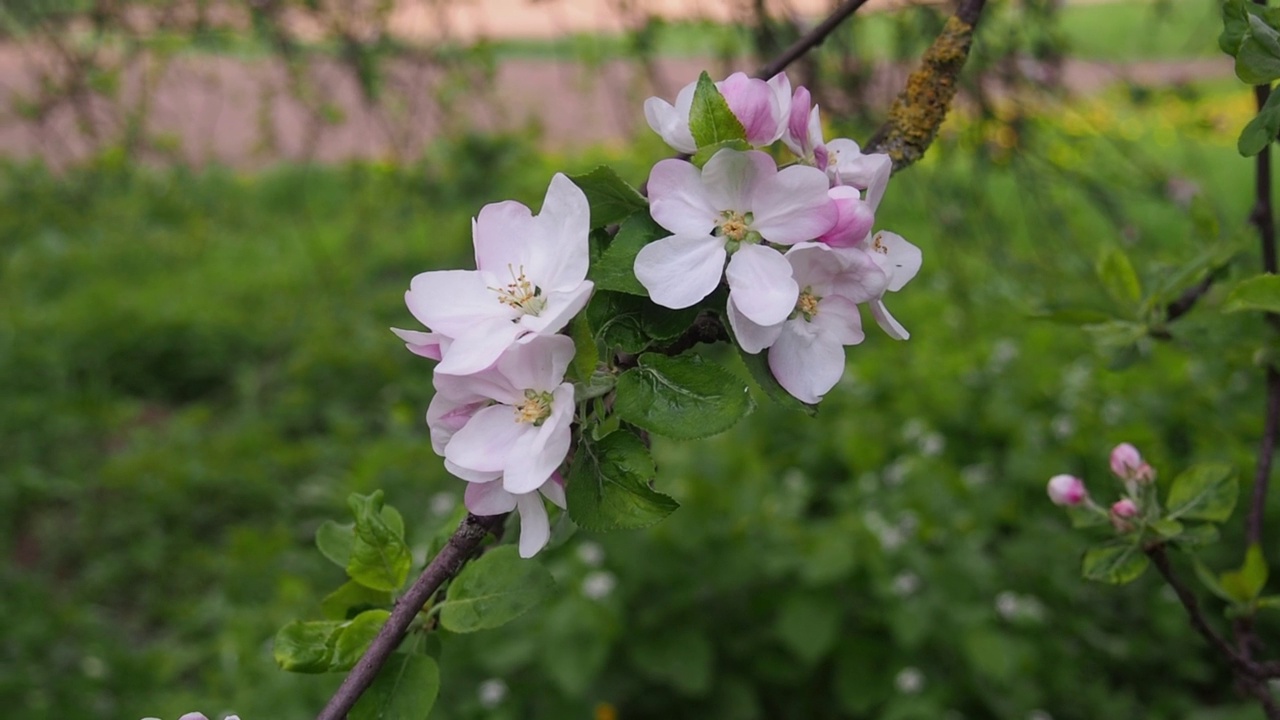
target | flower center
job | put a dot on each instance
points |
(734, 226)
(807, 305)
(535, 409)
(521, 294)
(878, 246)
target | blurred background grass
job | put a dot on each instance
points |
(195, 371)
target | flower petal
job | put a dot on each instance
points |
(732, 178)
(499, 233)
(452, 301)
(887, 322)
(485, 442)
(488, 498)
(539, 364)
(860, 278)
(680, 270)
(471, 476)
(535, 454)
(898, 258)
(553, 489)
(557, 253)
(425, 344)
(838, 320)
(479, 347)
(535, 527)
(751, 337)
(805, 364)
(793, 206)
(760, 284)
(678, 200)
(854, 217)
(756, 106)
(561, 306)
(672, 122)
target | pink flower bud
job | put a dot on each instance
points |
(1124, 508)
(1066, 490)
(1125, 461)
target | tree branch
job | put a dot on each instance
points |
(1263, 218)
(443, 566)
(810, 40)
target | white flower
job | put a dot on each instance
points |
(530, 279)
(900, 261)
(847, 165)
(762, 108)
(490, 498)
(737, 200)
(510, 420)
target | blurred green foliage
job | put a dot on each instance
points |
(196, 371)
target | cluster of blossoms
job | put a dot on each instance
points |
(197, 716)
(795, 245)
(799, 243)
(1127, 465)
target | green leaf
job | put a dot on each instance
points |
(1203, 492)
(682, 658)
(335, 541)
(615, 270)
(1211, 259)
(494, 590)
(405, 689)
(1073, 316)
(1262, 129)
(1167, 528)
(631, 324)
(609, 485)
(707, 152)
(1116, 563)
(306, 647)
(355, 638)
(611, 198)
(1261, 292)
(808, 624)
(1082, 517)
(586, 355)
(681, 397)
(1246, 584)
(710, 119)
(758, 366)
(379, 557)
(1269, 601)
(1118, 277)
(351, 599)
(1197, 536)
(1258, 59)
(597, 385)
(1209, 579)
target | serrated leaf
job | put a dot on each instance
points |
(355, 638)
(611, 198)
(1258, 58)
(758, 366)
(351, 599)
(1203, 492)
(1116, 563)
(609, 485)
(682, 397)
(1118, 277)
(711, 121)
(335, 541)
(306, 647)
(380, 558)
(615, 270)
(494, 590)
(405, 689)
(1257, 293)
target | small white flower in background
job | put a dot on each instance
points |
(591, 554)
(491, 693)
(1007, 605)
(443, 503)
(762, 107)
(905, 583)
(599, 585)
(737, 200)
(909, 681)
(529, 281)
(1039, 715)
(490, 498)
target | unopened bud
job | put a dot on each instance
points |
(1121, 512)
(1126, 462)
(1066, 490)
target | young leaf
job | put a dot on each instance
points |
(335, 541)
(586, 355)
(1258, 60)
(1117, 562)
(1262, 129)
(379, 557)
(611, 198)
(1209, 580)
(1118, 277)
(1261, 292)
(494, 590)
(306, 647)
(1246, 584)
(682, 397)
(609, 485)
(352, 596)
(405, 689)
(710, 120)
(1203, 492)
(1197, 536)
(615, 270)
(355, 638)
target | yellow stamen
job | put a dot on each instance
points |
(536, 408)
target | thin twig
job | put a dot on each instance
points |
(810, 40)
(1263, 218)
(1160, 558)
(443, 566)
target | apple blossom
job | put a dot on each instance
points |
(900, 261)
(1127, 464)
(530, 279)
(803, 134)
(1121, 512)
(732, 204)
(762, 108)
(806, 350)
(847, 165)
(854, 217)
(510, 420)
(490, 498)
(1067, 490)
(198, 716)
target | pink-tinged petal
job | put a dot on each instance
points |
(898, 258)
(193, 716)
(760, 284)
(731, 179)
(680, 270)
(860, 278)
(780, 85)
(678, 200)
(484, 443)
(854, 217)
(553, 490)
(451, 302)
(487, 384)
(814, 265)
(535, 527)
(499, 233)
(804, 363)
(797, 136)
(838, 320)
(427, 345)
(449, 413)
(560, 308)
(557, 254)
(871, 173)
(793, 206)
(479, 347)
(754, 104)
(672, 122)
(751, 337)
(471, 476)
(841, 152)
(488, 498)
(887, 322)
(539, 364)
(536, 454)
